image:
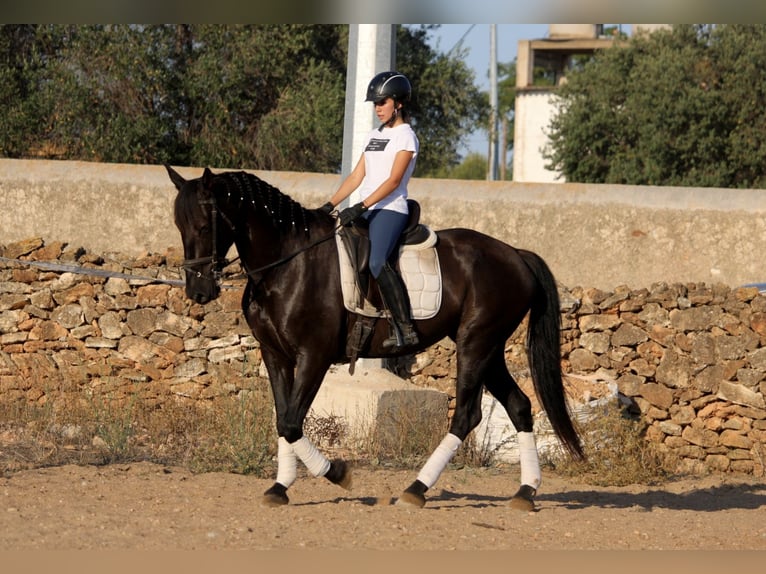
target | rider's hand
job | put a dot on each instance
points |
(351, 213)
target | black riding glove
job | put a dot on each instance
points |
(327, 208)
(351, 213)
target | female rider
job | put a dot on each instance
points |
(381, 175)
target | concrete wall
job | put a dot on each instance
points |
(591, 235)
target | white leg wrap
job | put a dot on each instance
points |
(439, 459)
(530, 464)
(315, 461)
(287, 463)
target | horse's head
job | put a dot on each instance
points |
(205, 240)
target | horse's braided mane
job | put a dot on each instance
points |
(285, 213)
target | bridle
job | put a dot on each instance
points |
(218, 263)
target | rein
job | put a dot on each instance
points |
(286, 258)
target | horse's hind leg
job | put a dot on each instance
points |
(503, 387)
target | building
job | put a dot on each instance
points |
(535, 105)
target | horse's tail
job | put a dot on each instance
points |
(544, 351)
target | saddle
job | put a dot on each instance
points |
(356, 240)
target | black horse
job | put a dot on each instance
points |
(293, 304)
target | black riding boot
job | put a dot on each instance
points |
(395, 297)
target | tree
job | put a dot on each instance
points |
(248, 96)
(265, 97)
(473, 166)
(106, 94)
(25, 51)
(682, 107)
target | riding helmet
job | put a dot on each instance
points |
(389, 85)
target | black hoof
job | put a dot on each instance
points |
(276, 496)
(340, 474)
(523, 499)
(414, 495)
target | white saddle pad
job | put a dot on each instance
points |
(419, 266)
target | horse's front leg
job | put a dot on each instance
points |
(294, 390)
(281, 378)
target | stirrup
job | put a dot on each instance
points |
(401, 338)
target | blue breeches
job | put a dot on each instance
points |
(385, 228)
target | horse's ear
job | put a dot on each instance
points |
(207, 178)
(175, 177)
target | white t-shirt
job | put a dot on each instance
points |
(379, 153)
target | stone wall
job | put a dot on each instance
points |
(63, 334)
(690, 358)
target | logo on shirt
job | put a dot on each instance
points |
(376, 145)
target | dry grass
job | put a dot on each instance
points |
(407, 432)
(617, 451)
(233, 434)
(236, 434)
(230, 434)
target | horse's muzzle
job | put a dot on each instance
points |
(202, 289)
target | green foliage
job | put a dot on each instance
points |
(235, 96)
(682, 107)
(269, 97)
(22, 65)
(106, 97)
(473, 166)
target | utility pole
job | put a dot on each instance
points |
(492, 160)
(371, 50)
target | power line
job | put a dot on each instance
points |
(460, 41)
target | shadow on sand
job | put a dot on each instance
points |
(709, 499)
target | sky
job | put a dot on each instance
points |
(475, 40)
